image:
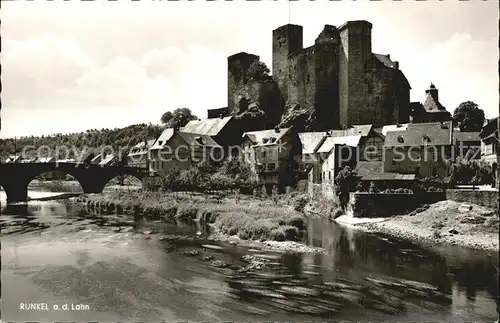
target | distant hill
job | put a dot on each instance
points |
(92, 140)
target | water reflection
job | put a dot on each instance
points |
(361, 276)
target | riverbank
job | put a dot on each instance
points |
(442, 223)
(267, 223)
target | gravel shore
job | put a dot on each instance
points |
(446, 222)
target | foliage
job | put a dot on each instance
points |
(476, 172)
(469, 116)
(373, 188)
(210, 176)
(345, 182)
(92, 141)
(253, 118)
(178, 118)
(258, 71)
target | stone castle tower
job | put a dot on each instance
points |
(338, 79)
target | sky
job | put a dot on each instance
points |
(72, 66)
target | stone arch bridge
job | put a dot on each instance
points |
(15, 177)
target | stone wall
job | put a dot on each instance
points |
(287, 40)
(266, 94)
(484, 198)
(237, 66)
(321, 191)
(375, 205)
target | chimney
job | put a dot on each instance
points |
(396, 65)
(277, 129)
(388, 56)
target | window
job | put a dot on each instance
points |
(271, 166)
(434, 172)
(263, 154)
(329, 175)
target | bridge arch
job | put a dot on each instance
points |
(15, 178)
(56, 181)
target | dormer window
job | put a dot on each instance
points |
(272, 139)
(400, 139)
(426, 138)
(199, 140)
(265, 140)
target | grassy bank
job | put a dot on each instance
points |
(246, 217)
(444, 223)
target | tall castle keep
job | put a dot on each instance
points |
(338, 79)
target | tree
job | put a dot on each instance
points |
(179, 117)
(469, 116)
(345, 182)
(258, 71)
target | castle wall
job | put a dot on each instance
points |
(296, 78)
(326, 70)
(355, 38)
(286, 40)
(338, 78)
(381, 101)
(265, 94)
(309, 78)
(237, 66)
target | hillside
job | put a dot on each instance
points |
(92, 140)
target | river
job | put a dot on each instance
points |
(58, 254)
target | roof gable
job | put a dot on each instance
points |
(330, 142)
(311, 141)
(163, 139)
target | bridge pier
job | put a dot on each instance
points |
(16, 192)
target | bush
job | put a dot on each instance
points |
(373, 188)
(300, 202)
(187, 214)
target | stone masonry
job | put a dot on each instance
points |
(338, 79)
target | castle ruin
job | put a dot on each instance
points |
(338, 80)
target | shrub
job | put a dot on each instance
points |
(187, 214)
(345, 182)
(300, 202)
(170, 213)
(373, 188)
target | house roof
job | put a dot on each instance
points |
(384, 59)
(107, 159)
(364, 168)
(162, 139)
(259, 137)
(330, 142)
(194, 139)
(96, 157)
(489, 128)
(466, 136)
(358, 130)
(141, 148)
(431, 105)
(46, 160)
(311, 141)
(437, 134)
(209, 127)
(393, 127)
(388, 176)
